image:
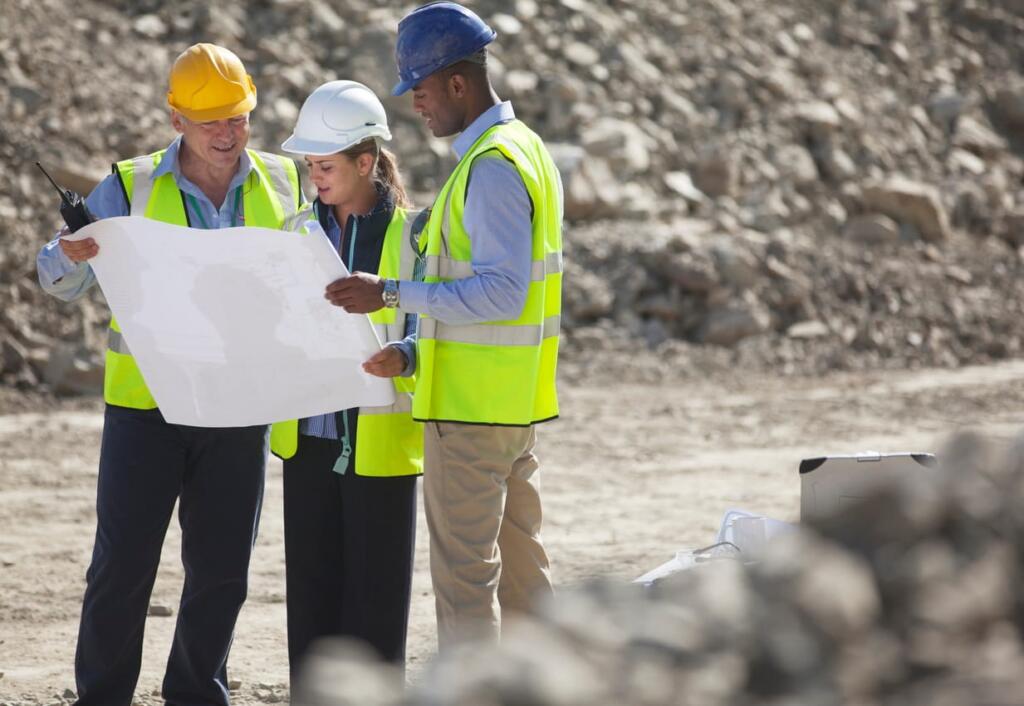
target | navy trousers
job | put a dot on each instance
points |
(349, 543)
(146, 464)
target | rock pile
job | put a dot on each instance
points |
(837, 184)
(911, 597)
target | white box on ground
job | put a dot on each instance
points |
(830, 483)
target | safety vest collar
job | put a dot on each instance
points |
(255, 169)
(168, 162)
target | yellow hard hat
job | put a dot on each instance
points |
(209, 82)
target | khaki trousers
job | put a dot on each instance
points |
(481, 490)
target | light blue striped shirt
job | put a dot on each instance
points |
(68, 280)
(498, 219)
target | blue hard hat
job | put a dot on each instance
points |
(435, 36)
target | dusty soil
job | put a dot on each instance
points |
(631, 473)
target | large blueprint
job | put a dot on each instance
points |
(230, 327)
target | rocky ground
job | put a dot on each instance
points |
(800, 186)
(631, 475)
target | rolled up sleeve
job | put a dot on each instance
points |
(57, 274)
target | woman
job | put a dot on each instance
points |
(350, 476)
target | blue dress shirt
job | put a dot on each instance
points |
(68, 280)
(498, 219)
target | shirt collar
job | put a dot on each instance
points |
(385, 203)
(170, 164)
(499, 113)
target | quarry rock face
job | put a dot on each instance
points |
(866, 148)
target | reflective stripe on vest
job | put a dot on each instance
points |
(274, 171)
(496, 372)
(397, 261)
(270, 192)
(448, 269)
(483, 335)
(389, 442)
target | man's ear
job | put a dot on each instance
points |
(457, 85)
(177, 121)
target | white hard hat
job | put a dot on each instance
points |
(336, 116)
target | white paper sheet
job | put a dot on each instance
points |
(230, 327)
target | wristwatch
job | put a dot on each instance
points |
(390, 293)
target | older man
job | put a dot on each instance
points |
(206, 178)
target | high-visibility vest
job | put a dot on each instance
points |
(388, 441)
(270, 194)
(498, 372)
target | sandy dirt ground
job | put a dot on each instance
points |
(631, 475)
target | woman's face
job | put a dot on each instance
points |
(338, 178)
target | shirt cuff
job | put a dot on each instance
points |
(412, 296)
(59, 264)
(408, 349)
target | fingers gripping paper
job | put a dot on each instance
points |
(230, 327)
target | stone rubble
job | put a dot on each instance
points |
(732, 169)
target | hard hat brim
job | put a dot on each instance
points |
(219, 113)
(402, 86)
(300, 146)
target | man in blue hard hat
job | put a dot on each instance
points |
(489, 307)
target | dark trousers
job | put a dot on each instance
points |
(349, 543)
(145, 465)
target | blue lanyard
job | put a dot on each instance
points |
(352, 244)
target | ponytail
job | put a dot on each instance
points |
(385, 170)
(391, 178)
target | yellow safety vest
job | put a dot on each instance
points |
(498, 372)
(270, 194)
(388, 441)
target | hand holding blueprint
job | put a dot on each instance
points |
(230, 327)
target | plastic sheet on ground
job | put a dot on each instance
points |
(742, 536)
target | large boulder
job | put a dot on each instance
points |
(730, 323)
(716, 173)
(622, 144)
(911, 202)
(871, 228)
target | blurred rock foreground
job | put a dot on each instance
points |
(794, 186)
(910, 597)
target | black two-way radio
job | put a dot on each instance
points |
(72, 206)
